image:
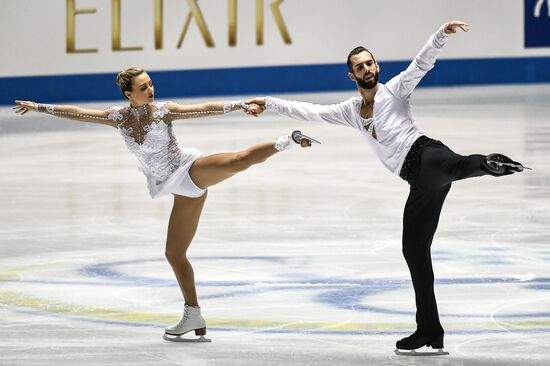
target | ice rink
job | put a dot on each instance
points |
(298, 261)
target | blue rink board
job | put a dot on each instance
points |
(269, 80)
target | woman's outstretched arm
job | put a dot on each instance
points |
(180, 111)
(106, 117)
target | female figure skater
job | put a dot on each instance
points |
(146, 127)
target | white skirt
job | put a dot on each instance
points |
(179, 182)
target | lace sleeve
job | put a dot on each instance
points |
(116, 115)
(111, 117)
(179, 111)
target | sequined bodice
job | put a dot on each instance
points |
(149, 135)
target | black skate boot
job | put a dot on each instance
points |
(408, 345)
(499, 165)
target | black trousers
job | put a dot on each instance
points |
(431, 171)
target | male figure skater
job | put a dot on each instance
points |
(382, 114)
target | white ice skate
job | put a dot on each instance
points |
(192, 320)
(295, 137)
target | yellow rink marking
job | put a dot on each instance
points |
(21, 300)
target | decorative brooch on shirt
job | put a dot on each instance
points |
(368, 124)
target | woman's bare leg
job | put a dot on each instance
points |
(182, 226)
(205, 172)
(212, 169)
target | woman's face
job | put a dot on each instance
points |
(142, 92)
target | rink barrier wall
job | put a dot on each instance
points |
(270, 80)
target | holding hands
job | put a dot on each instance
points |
(256, 106)
(253, 109)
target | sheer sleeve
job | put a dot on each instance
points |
(111, 117)
(173, 111)
(338, 114)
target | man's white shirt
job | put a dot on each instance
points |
(392, 119)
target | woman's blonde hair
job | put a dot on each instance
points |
(125, 78)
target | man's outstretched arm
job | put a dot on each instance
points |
(403, 84)
(332, 113)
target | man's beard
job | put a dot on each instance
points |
(367, 84)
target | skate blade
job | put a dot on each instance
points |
(298, 136)
(510, 165)
(177, 338)
(311, 139)
(413, 352)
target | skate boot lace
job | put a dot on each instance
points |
(188, 313)
(186, 316)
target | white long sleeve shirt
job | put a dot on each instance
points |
(392, 119)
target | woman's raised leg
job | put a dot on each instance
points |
(212, 169)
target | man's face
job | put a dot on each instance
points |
(365, 70)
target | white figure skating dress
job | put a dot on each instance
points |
(148, 133)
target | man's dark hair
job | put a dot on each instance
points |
(356, 51)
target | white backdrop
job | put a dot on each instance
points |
(34, 33)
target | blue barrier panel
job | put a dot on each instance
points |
(269, 80)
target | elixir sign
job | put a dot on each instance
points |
(537, 23)
(194, 15)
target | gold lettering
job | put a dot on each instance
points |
(259, 22)
(158, 24)
(72, 12)
(232, 13)
(116, 29)
(195, 13)
(279, 20)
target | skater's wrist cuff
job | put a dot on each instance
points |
(228, 107)
(440, 37)
(48, 108)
